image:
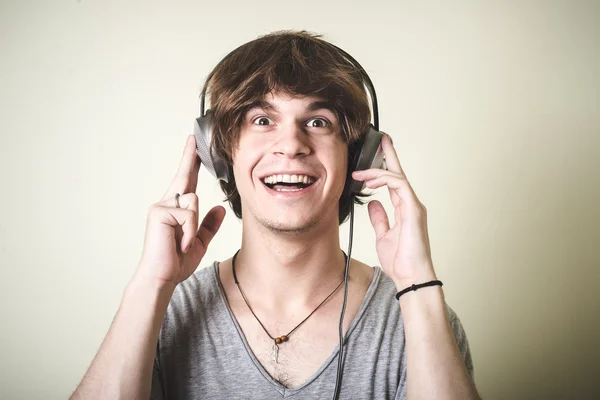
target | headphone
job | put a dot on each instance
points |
(369, 153)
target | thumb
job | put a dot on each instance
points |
(210, 226)
(379, 218)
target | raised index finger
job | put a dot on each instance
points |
(186, 178)
(391, 158)
(392, 163)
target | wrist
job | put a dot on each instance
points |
(151, 285)
(423, 277)
(426, 303)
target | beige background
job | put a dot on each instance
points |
(493, 107)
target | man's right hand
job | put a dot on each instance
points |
(173, 244)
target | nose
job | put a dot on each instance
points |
(292, 141)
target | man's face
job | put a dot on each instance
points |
(290, 165)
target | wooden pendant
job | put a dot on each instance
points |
(278, 341)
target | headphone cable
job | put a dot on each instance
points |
(340, 367)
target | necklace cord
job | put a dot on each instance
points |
(304, 320)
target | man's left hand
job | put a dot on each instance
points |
(403, 250)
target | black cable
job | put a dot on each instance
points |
(340, 367)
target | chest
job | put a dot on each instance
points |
(310, 343)
(294, 361)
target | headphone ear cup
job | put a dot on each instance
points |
(368, 155)
(203, 131)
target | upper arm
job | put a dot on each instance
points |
(461, 340)
(157, 391)
(463, 346)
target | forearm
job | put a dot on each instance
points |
(122, 368)
(436, 369)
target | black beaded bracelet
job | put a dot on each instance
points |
(415, 287)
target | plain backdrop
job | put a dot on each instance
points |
(493, 108)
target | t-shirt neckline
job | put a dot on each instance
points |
(279, 387)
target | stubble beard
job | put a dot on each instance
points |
(281, 228)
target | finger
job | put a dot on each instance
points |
(372, 178)
(372, 173)
(401, 187)
(188, 201)
(369, 174)
(178, 218)
(391, 157)
(186, 178)
(379, 218)
(210, 226)
(392, 163)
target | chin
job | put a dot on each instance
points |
(288, 226)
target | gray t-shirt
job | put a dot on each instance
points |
(203, 354)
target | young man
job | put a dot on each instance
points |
(288, 110)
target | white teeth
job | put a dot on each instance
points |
(286, 178)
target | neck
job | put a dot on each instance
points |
(284, 271)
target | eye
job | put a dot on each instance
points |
(317, 123)
(262, 121)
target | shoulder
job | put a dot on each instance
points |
(379, 306)
(194, 296)
(199, 283)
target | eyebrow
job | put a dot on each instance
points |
(315, 105)
(320, 105)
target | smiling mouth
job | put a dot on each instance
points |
(288, 183)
